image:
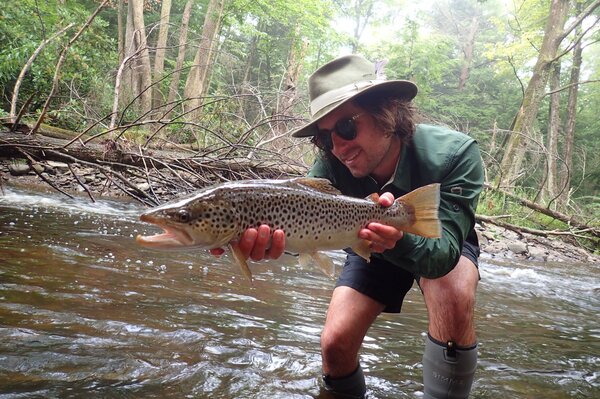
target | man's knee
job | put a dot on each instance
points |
(461, 298)
(450, 303)
(455, 288)
(464, 287)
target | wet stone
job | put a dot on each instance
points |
(517, 247)
(18, 169)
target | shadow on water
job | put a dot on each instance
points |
(84, 312)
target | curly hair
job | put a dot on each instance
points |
(392, 115)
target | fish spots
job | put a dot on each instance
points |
(310, 218)
(304, 214)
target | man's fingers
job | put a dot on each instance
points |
(381, 236)
(385, 232)
(247, 242)
(262, 243)
(386, 199)
(257, 244)
(277, 244)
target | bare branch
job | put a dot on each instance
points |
(15, 96)
(59, 64)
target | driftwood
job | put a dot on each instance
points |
(569, 220)
(520, 229)
(127, 165)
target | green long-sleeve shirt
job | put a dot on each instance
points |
(435, 155)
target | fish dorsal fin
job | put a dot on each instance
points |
(318, 184)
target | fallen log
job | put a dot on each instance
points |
(108, 151)
(569, 220)
(164, 173)
(537, 232)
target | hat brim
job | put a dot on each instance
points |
(394, 88)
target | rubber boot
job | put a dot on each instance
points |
(349, 387)
(448, 371)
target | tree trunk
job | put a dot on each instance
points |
(468, 52)
(138, 74)
(565, 182)
(159, 59)
(183, 31)
(196, 85)
(290, 90)
(129, 87)
(550, 187)
(363, 10)
(247, 108)
(524, 124)
(120, 30)
(570, 220)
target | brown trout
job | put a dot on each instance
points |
(314, 215)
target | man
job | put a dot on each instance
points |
(365, 128)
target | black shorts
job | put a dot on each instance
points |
(383, 281)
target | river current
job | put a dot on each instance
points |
(85, 312)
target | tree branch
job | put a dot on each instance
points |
(61, 60)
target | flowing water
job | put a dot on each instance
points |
(84, 312)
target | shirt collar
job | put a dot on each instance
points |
(400, 180)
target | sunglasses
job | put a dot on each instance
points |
(345, 128)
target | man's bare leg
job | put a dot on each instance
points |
(349, 317)
(450, 356)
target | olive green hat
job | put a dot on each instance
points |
(342, 79)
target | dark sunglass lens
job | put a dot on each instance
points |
(346, 129)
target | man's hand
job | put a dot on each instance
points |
(258, 244)
(382, 236)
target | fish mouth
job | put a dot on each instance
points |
(171, 236)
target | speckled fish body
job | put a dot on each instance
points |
(314, 215)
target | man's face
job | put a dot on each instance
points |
(371, 152)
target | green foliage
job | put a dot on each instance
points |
(495, 204)
(423, 42)
(492, 203)
(86, 70)
(433, 61)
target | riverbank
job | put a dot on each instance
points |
(495, 242)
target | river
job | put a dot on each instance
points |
(85, 312)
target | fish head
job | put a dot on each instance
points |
(202, 223)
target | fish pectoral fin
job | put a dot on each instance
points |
(363, 249)
(323, 261)
(241, 261)
(304, 260)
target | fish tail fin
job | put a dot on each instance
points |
(425, 201)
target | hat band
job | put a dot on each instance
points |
(340, 94)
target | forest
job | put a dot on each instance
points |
(183, 92)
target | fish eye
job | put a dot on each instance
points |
(183, 216)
